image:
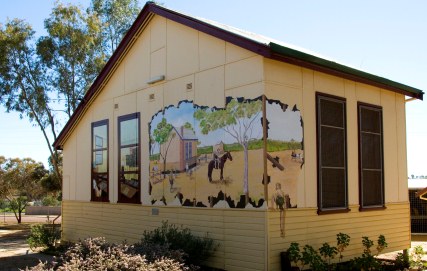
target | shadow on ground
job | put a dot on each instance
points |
(15, 253)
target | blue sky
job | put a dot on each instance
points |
(386, 38)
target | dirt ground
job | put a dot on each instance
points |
(15, 253)
(196, 186)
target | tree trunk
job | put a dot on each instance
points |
(164, 168)
(246, 173)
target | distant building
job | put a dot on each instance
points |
(182, 150)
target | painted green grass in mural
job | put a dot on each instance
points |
(155, 157)
(277, 145)
(272, 146)
(205, 150)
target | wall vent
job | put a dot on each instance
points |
(151, 97)
(116, 106)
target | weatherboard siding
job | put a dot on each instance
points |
(239, 233)
(297, 86)
(304, 226)
(209, 71)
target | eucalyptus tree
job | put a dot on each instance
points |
(72, 52)
(163, 135)
(20, 182)
(44, 79)
(116, 17)
(24, 81)
(238, 120)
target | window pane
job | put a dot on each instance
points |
(332, 162)
(129, 159)
(100, 139)
(100, 161)
(129, 132)
(371, 168)
(129, 185)
(332, 147)
(332, 113)
(372, 188)
(371, 151)
(371, 120)
(99, 180)
(333, 188)
(100, 186)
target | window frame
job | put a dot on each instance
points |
(328, 210)
(360, 106)
(93, 151)
(121, 198)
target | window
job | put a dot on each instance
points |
(99, 180)
(331, 153)
(371, 172)
(129, 159)
(188, 150)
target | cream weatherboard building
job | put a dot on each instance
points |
(309, 147)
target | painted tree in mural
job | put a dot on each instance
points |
(238, 120)
(163, 135)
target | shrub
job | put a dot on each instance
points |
(311, 258)
(368, 261)
(343, 240)
(416, 257)
(328, 252)
(44, 236)
(196, 249)
(50, 200)
(97, 254)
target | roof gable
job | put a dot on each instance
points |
(249, 41)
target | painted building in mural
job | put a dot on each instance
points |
(228, 133)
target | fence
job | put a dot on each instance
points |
(43, 210)
(418, 213)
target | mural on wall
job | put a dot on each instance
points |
(209, 157)
(285, 155)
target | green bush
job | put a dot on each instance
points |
(196, 249)
(50, 201)
(311, 258)
(44, 236)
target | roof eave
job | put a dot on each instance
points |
(299, 58)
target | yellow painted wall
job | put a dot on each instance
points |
(294, 85)
(216, 69)
(304, 226)
(239, 233)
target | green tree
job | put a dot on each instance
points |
(20, 182)
(51, 182)
(238, 121)
(116, 17)
(24, 84)
(163, 135)
(71, 52)
(44, 79)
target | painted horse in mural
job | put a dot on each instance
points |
(218, 165)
